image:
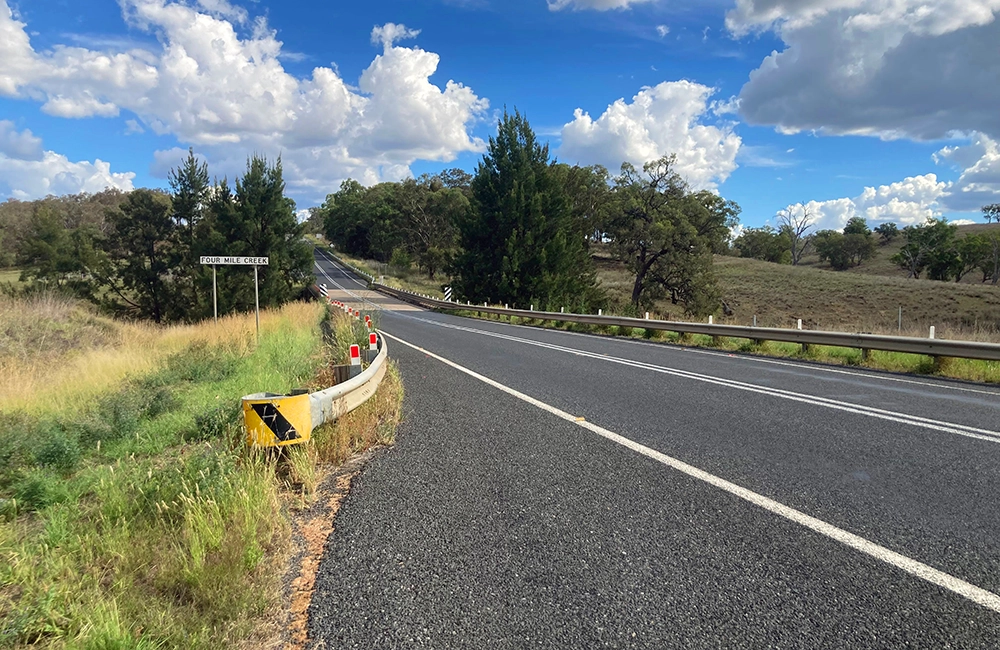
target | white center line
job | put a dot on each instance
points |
(967, 590)
(858, 409)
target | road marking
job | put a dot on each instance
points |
(967, 590)
(873, 377)
(757, 359)
(858, 409)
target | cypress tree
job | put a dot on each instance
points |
(519, 242)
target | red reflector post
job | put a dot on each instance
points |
(355, 355)
(372, 341)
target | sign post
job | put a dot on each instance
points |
(236, 261)
(215, 295)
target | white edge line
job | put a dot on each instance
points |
(875, 374)
(858, 409)
(967, 590)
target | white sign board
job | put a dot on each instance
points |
(241, 261)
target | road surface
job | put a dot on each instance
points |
(558, 490)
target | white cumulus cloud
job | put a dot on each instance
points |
(17, 145)
(29, 172)
(979, 183)
(389, 33)
(598, 5)
(670, 118)
(914, 199)
(217, 82)
(910, 201)
(919, 69)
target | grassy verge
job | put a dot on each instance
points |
(131, 513)
(966, 369)
(406, 279)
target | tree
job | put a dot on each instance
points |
(456, 179)
(858, 247)
(258, 220)
(520, 245)
(794, 221)
(887, 232)
(589, 197)
(665, 235)
(344, 219)
(991, 212)
(857, 226)
(189, 187)
(430, 215)
(930, 247)
(138, 251)
(830, 246)
(972, 250)
(989, 262)
(765, 244)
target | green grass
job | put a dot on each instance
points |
(967, 369)
(11, 276)
(141, 520)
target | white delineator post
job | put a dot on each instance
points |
(932, 332)
(710, 321)
(800, 323)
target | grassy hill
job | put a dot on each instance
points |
(881, 264)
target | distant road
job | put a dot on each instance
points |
(559, 490)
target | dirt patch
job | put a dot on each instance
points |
(311, 528)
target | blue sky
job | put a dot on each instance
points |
(878, 108)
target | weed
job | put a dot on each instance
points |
(58, 450)
(37, 489)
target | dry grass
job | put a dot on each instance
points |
(778, 295)
(830, 300)
(62, 354)
(11, 277)
(370, 425)
(171, 533)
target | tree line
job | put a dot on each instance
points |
(137, 254)
(521, 229)
(933, 248)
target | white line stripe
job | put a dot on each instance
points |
(858, 409)
(757, 359)
(967, 590)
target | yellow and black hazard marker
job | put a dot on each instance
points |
(277, 420)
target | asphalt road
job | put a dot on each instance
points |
(626, 494)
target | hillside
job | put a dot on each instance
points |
(881, 264)
(866, 299)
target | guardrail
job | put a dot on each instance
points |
(937, 348)
(274, 420)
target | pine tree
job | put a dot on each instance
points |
(189, 187)
(258, 220)
(520, 245)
